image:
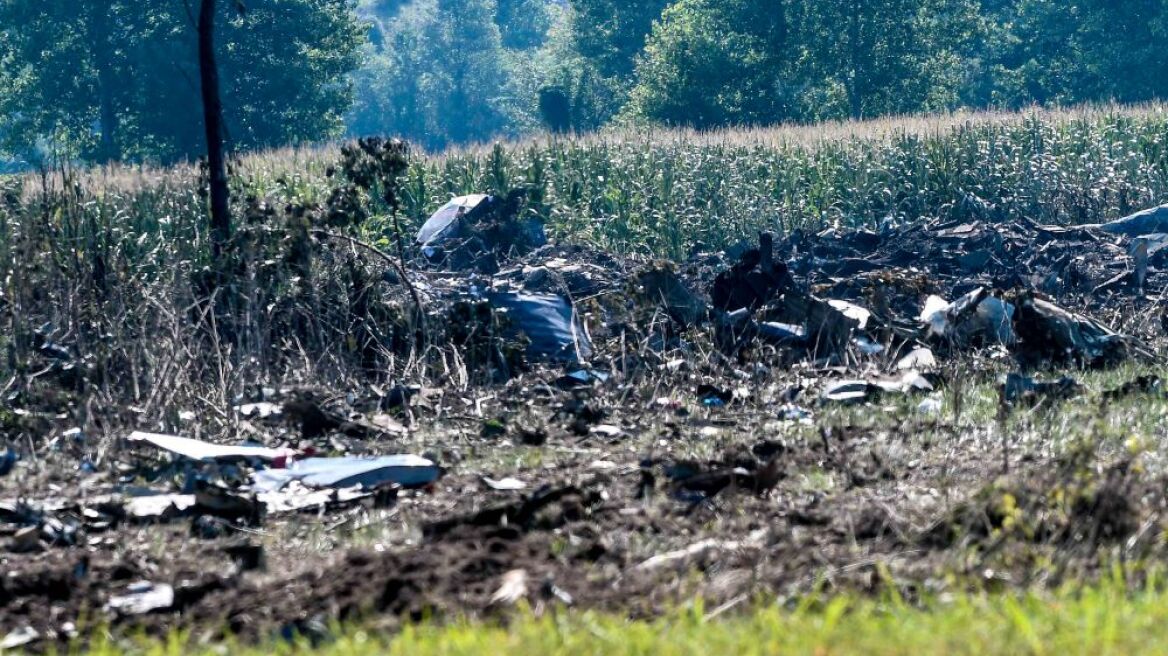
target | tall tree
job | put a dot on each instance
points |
(610, 33)
(101, 49)
(441, 79)
(1134, 67)
(119, 78)
(213, 125)
(714, 62)
(1054, 52)
(887, 56)
(472, 74)
(607, 36)
(720, 62)
(523, 24)
(47, 81)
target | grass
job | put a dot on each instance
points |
(1104, 619)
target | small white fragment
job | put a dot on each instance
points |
(141, 598)
(934, 315)
(930, 406)
(504, 484)
(867, 346)
(19, 638)
(260, 410)
(921, 358)
(853, 312)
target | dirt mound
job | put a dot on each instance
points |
(449, 577)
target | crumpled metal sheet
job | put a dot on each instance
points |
(443, 223)
(549, 322)
(406, 470)
(141, 598)
(1151, 220)
(206, 451)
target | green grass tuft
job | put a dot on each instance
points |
(1105, 619)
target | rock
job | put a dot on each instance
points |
(26, 540)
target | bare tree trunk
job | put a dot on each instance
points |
(101, 45)
(855, 98)
(213, 122)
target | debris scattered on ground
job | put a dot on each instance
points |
(141, 598)
(760, 299)
(560, 362)
(692, 482)
(26, 540)
(1019, 388)
(858, 391)
(158, 507)
(509, 483)
(581, 378)
(475, 231)
(930, 406)
(660, 284)
(848, 391)
(8, 461)
(548, 323)
(1048, 332)
(919, 359)
(444, 224)
(346, 472)
(19, 638)
(259, 410)
(206, 451)
(512, 588)
(1144, 222)
(754, 280)
(976, 318)
(700, 549)
(1146, 384)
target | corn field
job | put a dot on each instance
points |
(662, 193)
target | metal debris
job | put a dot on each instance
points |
(141, 598)
(1049, 333)
(1021, 389)
(512, 588)
(1151, 220)
(549, 323)
(205, 451)
(504, 484)
(19, 638)
(346, 472)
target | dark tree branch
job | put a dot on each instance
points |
(213, 123)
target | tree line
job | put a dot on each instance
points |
(106, 80)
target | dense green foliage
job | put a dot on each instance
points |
(119, 79)
(440, 75)
(710, 62)
(805, 60)
(1047, 51)
(707, 63)
(116, 80)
